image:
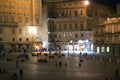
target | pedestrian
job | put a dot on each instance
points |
(80, 64)
(21, 73)
(56, 64)
(65, 64)
(73, 54)
(60, 64)
(17, 63)
(105, 63)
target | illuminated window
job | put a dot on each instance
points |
(108, 49)
(98, 49)
(103, 49)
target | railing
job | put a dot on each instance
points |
(13, 24)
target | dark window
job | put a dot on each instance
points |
(27, 39)
(1, 39)
(20, 39)
(13, 39)
(76, 35)
(76, 13)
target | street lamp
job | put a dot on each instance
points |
(86, 2)
(32, 30)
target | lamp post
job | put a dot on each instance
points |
(32, 31)
(86, 2)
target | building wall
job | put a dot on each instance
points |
(74, 21)
(16, 18)
(44, 25)
(108, 37)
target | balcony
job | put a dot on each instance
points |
(8, 24)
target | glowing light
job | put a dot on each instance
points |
(32, 30)
(87, 2)
(71, 41)
(80, 41)
(86, 41)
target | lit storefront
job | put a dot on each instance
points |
(80, 45)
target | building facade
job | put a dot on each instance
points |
(20, 24)
(107, 37)
(70, 24)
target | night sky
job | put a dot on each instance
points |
(111, 3)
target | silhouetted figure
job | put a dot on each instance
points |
(60, 64)
(105, 63)
(73, 54)
(80, 64)
(65, 64)
(21, 73)
(56, 64)
(117, 77)
(17, 63)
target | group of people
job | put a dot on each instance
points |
(59, 64)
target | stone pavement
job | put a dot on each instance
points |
(93, 67)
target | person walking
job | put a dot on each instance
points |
(56, 64)
(21, 74)
(60, 64)
(17, 63)
(80, 64)
(65, 64)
